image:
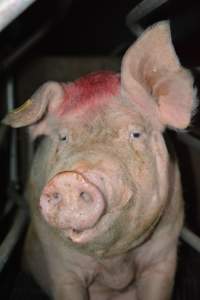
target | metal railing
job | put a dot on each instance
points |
(11, 9)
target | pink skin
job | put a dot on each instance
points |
(71, 202)
(109, 195)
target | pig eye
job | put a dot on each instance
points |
(135, 134)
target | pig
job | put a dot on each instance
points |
(104, 194)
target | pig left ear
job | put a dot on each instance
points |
(47, 97)
(153, 78)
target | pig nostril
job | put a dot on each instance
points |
(55, 198)
(85, 197)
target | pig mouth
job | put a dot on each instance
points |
(90, 234)
(77, 236)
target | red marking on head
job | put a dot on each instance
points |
(89, 90)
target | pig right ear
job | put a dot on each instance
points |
(47, 97)
(154, 80)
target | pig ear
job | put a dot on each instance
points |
(154, 79)
(46, 97)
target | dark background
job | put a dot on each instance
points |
(93, 28)
(96, 27)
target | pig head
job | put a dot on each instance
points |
(101, 177)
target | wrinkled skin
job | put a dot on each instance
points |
(104, 195)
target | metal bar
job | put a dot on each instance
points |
(10, 9)
(197, 69)
(136, 29)
(12, 237)
(142, 9)
(189, 140)
(3, 132)
(22, 49)
(13, 163)
(13, 139)
(190, 238)
(36, 36)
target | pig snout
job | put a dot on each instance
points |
(70, 201)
